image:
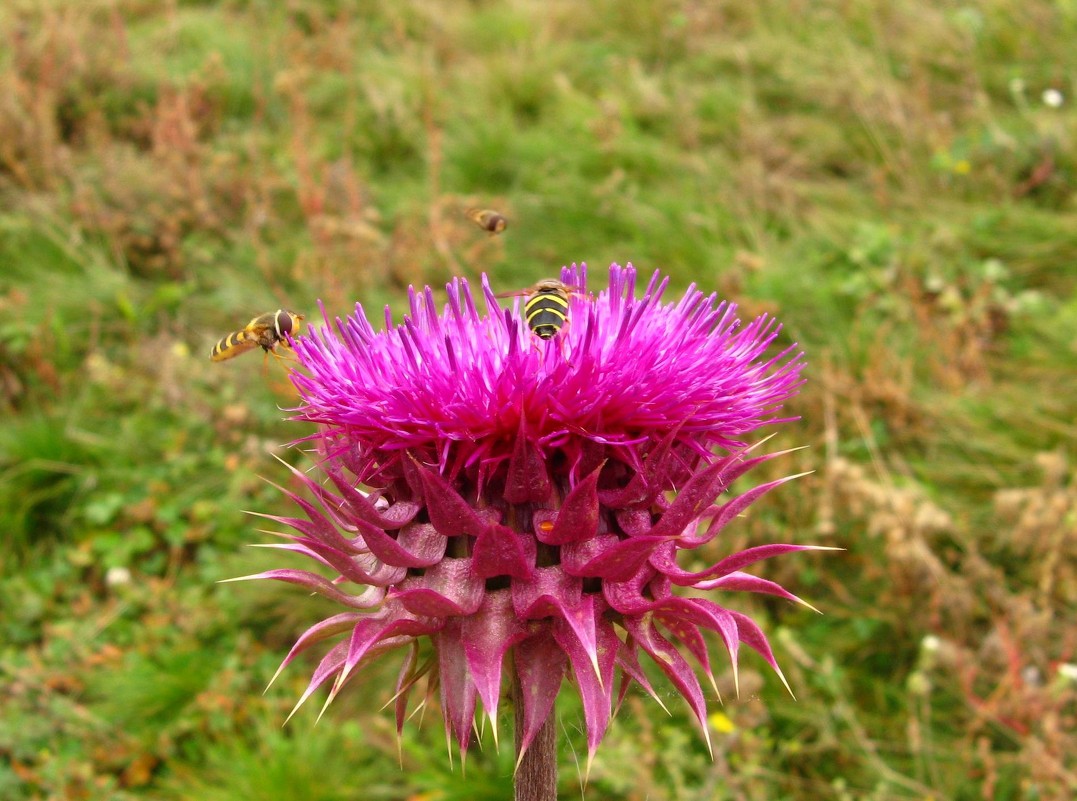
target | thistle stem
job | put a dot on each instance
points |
(536, 778)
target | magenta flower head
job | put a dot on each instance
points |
(524, 503)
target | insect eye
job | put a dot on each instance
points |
(284, 323)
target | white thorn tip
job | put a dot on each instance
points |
(251, 577)
(781, 676)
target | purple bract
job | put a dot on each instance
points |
(509, 496)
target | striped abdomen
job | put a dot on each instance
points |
(546, 312)
(232, 345)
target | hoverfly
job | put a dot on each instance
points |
(545, 306)
(487, 220)
(266, 331)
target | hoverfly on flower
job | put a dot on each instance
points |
(545, 306)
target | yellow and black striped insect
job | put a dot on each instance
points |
(545, 307)
(266, 331)
(487, 220)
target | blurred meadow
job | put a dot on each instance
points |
(896, 182)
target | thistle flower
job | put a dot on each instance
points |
(526, 500)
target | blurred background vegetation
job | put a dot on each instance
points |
(897, 182)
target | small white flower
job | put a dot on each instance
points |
(1032, 676)
(1053, 98)
(117, 576)
(930, 643)
(1068, 670)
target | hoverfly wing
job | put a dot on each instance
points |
(518, 293)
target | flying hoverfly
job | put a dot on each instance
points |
(266, 331)
(545, 306)
(487, 220)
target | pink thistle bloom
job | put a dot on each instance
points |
(530, 497)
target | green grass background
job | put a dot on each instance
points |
(896, 182)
